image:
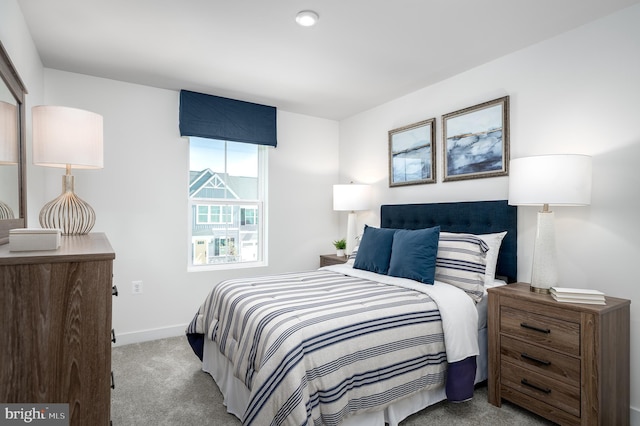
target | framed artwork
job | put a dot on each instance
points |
(412, 154)
(476, 141)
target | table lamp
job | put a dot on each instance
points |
(67, 137)
(561, 180)
(352, 198)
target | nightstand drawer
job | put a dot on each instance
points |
(542, 388)
(546, 331)
(541, 360)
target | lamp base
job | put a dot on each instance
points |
(351, 233)
(5, 211)
(68, 212)
(544, 274)
(539, 290)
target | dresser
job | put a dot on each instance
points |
(567, 362)
(55, 337)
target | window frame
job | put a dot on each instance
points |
(259, 205)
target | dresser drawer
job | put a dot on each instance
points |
(549, 391)
(541, 360)
(551, 332)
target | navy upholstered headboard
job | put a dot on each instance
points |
(474, 217)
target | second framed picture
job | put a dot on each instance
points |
(412, 156)
(476, 141)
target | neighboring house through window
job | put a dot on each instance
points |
(227, 203)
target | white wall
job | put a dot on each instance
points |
(140, 199)
(576, 93)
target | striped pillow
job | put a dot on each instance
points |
(461, 261)
(352, 256)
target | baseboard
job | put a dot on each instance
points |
(634, 417)
(147, 335)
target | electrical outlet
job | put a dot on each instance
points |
(136, 287)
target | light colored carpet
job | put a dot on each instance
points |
(161, 383)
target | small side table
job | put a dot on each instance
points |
(332, 259)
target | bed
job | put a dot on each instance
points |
(376, 354)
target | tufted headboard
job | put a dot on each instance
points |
(474, 217)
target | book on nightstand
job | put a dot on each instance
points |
(577, 295)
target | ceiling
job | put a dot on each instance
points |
(361, 53)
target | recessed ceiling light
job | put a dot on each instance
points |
(307, 18)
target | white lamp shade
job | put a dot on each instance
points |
(67, 136)
(8, 133)
(351, 197)
(561, 180)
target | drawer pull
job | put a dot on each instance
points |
(534, 328)
(114, 290)
(534, 359)
(113, 335)
(113, 383)
(531, 385)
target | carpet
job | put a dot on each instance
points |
(161, 383)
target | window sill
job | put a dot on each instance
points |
(226, 266)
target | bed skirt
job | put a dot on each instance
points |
(236, 394)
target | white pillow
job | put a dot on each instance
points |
(493, 241)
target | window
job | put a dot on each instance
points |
(226, 201)
(208, 215)
(248, 216)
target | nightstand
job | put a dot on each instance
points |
(332, 259)
(567, 362)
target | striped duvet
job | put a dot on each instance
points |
(319, 346)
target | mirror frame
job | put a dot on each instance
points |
(16, 87)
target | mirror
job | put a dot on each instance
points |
(12, 149)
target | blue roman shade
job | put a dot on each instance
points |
(213, 117)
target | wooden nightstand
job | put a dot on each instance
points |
(567, 362)
(332, 259)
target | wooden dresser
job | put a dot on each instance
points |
(55, 338)
(567, 362)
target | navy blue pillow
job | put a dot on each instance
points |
(374, 251)
(413, 254)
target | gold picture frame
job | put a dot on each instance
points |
(476, 141)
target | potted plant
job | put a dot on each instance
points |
(340, 245)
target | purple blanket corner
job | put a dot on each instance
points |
(460, 379)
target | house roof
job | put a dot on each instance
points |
(209, 184)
